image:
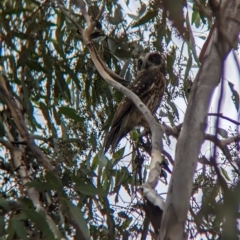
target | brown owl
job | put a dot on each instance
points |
(149, 86)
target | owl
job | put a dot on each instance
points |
(149, 86)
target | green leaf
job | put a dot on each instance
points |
(53, 180)
(225, 174)
(73, 75)
(93, 141)
(70, 113)
(117, 17)
(19, 228)
(46, 115)
(142, 9)
(56, 116)
(2, 130)
(79, 219)
(146, 18)
(188, 66)
(10, 232)
(95, 162)
(196, 19)
(40, 222)
(119, 153)
(174, 108)
(112, 45)
(133, 16)
(222, 132)
(168, 35)
(60, 84)
(4, 204)
(2, 226)
(202, 37)
(102, 159)
(34, 65)
(40, 186)
(134, 135)
(90, 190)
(235, 96)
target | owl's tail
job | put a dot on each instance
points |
(116, 133)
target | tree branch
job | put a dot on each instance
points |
(19, 121)
(156, 158)
(224, 117)
(192, 133)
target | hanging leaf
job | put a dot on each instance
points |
(90, 190)
(93, 141)
(174, 108)
(40, 186)
(117, 17)
(235, 95)
(134, 135)
(119, 153)
(79, 219)
(225, 174)
(53, 180)
(102, 159)
(2, 226)
(133, 16)
(222, 132)
(19, 228)
(188, 66)
(142, 9)
(112, 45)
(40, 222)
(70, 113)
(146, 18)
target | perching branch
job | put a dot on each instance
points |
(155, 168)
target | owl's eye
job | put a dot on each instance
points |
(151, 59)
(140, 63)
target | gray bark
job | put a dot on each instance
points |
(192, 133)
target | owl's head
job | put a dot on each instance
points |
(151, 60)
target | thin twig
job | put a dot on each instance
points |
(224, 117)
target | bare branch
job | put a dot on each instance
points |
(224, 117)
(6, 144)
(171, 131)
(19, 121)
(231, 140)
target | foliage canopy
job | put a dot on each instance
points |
(67, 108)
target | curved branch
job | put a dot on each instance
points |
(230, 140)
(156, 158)
(219, 143)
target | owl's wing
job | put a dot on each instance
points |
(141, 86)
